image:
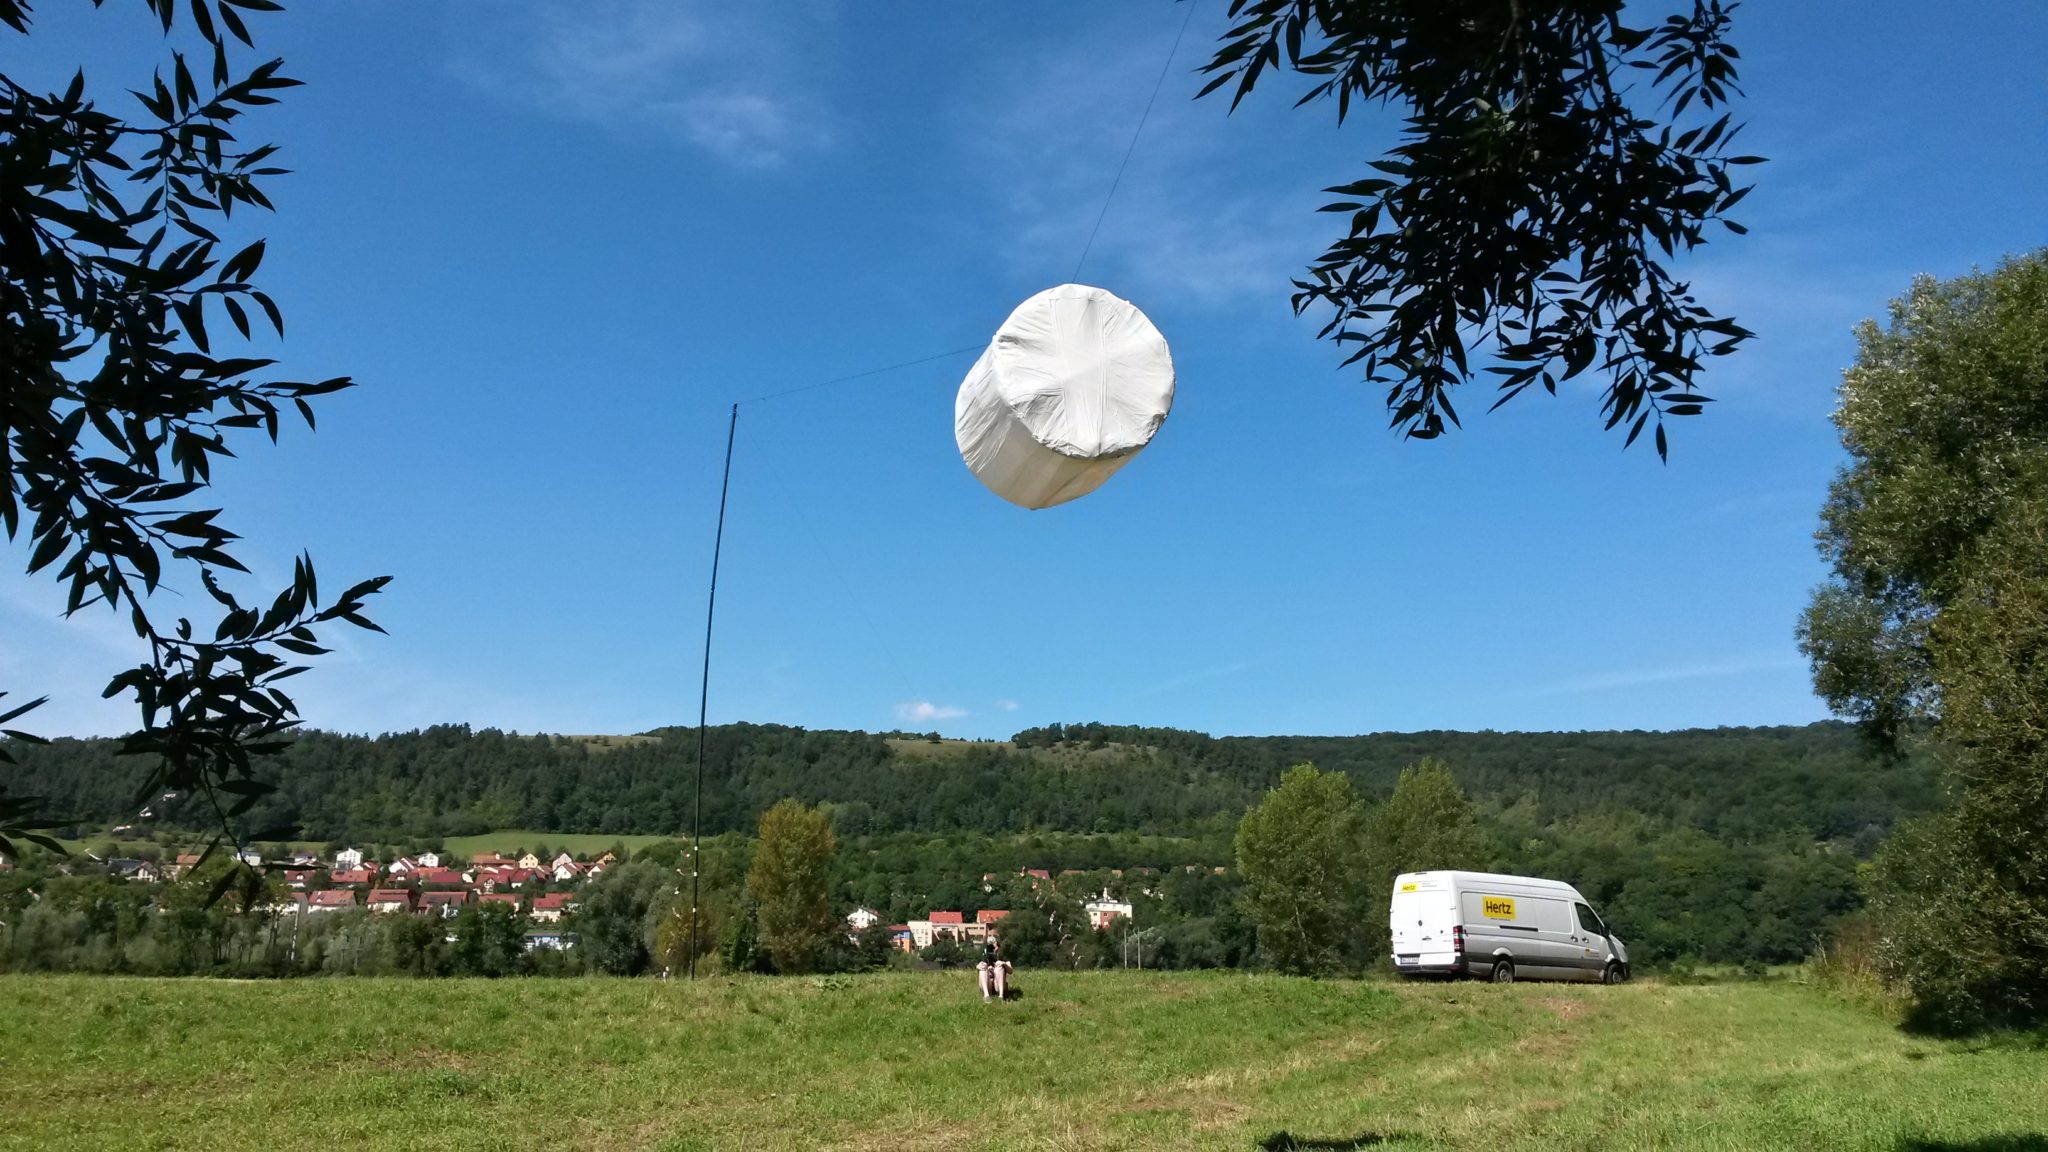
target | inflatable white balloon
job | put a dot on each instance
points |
(1074, 385)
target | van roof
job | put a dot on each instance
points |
(1458, 879)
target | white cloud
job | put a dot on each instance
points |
(1007, 705)
(702, 76)
(921, 711)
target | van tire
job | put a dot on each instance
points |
(1612, 975)
(1503, 972)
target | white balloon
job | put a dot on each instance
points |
(1075, 384)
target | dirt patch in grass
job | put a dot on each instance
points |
(1566, 1009)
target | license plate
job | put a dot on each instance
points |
(1405, 959)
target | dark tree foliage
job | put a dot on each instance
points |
(1546, 174)
(118, 247)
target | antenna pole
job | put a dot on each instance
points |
(704, 693)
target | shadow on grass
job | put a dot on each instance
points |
(2008, 1142)
(1289, 1142)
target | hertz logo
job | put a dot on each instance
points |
(1498, 907)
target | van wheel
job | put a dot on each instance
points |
(1503, 972)
(1612, 975)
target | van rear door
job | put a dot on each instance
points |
(1423, 911)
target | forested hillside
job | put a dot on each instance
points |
(1735, 784)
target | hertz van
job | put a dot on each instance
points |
(1500, 928)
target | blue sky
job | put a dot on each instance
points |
(554, 242)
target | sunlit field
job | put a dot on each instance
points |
(1093, 1060)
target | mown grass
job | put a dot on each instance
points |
(1094, 1060)
(511, 840)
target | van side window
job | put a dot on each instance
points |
(1588, 922)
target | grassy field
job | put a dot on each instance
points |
(515, 839)
(1083, 1061)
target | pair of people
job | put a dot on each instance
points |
(992, 974)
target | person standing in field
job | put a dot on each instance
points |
(992, 973)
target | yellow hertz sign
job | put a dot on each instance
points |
(1498, 907)
(1411, 886)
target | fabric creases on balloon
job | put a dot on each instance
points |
(1076, 382)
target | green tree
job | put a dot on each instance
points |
(1532, 201)
(115, 403)
(1426, 825)
(489, 940)
(791, 884)
(1301, 850)
(1934, 626)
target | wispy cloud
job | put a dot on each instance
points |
(921, 711)
(1049, 131)
(1198, 675)
(1007, 705)
(704, 76)
(1643, 677)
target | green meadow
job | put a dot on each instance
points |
(1109, 1060)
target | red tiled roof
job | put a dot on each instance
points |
(500, 898)
(391, 896)
(352, 876)
(188, 858)
(990, 915)
(438, 898)
(552, 902)
(446, 876)
(1040, 873)
(946, 918)
(332, 898)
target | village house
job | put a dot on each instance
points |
(351, 878)
(988, 918)
(529, 861)
(509, 900)
(488, 860)
(299, 879)
(429, 859)
(947, 925)
(401, 866)
(561, 859)
(438, 878)
(1104, 911)
(862, 919)
(901, 938)
(920, 934)
(348, 858)
(391, 900)
(549, 909)
(443, 904)
(569, 871)
(331, 900)
(185, 862)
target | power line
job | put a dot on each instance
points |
(814, 385)
(1133, 147)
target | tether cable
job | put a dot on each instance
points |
(1133, 147)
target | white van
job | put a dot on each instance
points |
(1500, 928)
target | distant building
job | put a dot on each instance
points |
(442, 904)
(1104, 911)
(947, 926)
(551, 908)
(348, 858)
(862, 919)
(391, 900)
(331, 900)
(509, 900)
(552, 939)
(529, 861)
